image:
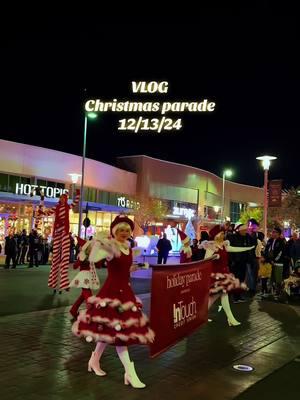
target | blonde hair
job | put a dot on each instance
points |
(219, 237)
(121, 225)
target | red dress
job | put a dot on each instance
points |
(114, 316)
(221, 264)
(222, 281)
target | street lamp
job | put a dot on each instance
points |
(86, 116)
(74, 179)
(226, 172)
(266, 162)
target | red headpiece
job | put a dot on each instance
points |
(214, 231)
(120, 219)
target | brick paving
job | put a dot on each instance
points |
(41, 359)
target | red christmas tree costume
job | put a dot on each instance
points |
(114, 315)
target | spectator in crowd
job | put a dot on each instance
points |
(163, 247)
(203, 237)
(10, 250)
(24, 247)
(264, 273)
(34, 247)
(241, 262)
(195, 250)
(274, 253)
(295, 250)
(254, 256)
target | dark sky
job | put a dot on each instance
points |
(246, 62)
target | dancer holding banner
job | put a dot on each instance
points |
(114, 316)
(222, 280)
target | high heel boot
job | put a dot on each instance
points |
(93, 365)
(226, 307)
(131, 378)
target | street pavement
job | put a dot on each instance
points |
(41, 359)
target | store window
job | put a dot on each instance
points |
(236, 209)
(12, 183)
(212, 212)
(3, 183)
(91, 195)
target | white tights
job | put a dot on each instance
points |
(121, 350)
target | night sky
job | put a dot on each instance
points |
(246, 63)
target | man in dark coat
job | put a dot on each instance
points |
(163, 247)
(10, 250)
(274, 253)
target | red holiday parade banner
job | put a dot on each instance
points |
(179, 302)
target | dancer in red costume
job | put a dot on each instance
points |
(115, 315)
(58, 278)
(185, 251)
(87, 278)
(223, 281)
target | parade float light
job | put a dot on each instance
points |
(266, 162)
(88, 115)
(228, 173)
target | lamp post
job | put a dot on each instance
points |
(74, 179)
(86, 116)
(266, 162)
(226, 172)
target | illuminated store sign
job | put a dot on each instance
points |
(37, 189)
(186, 212)
(127, 203)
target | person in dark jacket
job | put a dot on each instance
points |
(10, 250)
(34, 247)
(295, 250)
(203, 236)
(274, 253)
(24, 247)
(241, 262)
(195, 251)
(163, 247)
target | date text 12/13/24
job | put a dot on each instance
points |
(147, 124)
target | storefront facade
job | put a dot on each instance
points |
(190, 194)
(195, 193)
(26, 170)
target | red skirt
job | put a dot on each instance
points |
(114, 316)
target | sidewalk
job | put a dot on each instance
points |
(40, 359)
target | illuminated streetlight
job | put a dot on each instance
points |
(74, 178)
(228, 173)
(90, 115)
(266, 162)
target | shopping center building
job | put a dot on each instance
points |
(189, 192)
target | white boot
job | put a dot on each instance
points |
(226, 307)
(94, 361)
(130, 377)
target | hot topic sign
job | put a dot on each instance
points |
(36, 189)
(179, 302)
(165, 109)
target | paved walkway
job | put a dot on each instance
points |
(40, 359)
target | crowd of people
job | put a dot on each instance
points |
(271, 262)
(33, 249)
(267, 267)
